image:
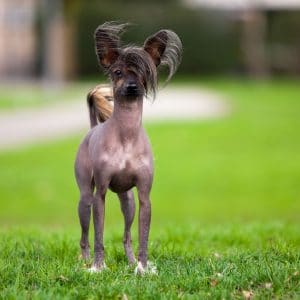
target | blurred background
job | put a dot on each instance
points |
(54, 39)
(226, 137)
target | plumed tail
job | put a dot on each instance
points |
(100, 104)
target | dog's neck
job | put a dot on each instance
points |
(128, 116)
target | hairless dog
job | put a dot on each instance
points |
(116, 154)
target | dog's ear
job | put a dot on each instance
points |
(165, 48)
(107, 43)
(155, 45)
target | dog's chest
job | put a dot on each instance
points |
(127, 165)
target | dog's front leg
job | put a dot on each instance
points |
(98, 216)
(144, 226)
(128, 209)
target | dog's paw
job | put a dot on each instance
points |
(84, 257)
(97, 269)
(150, 269)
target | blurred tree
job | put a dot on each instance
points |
(253, 42)
(214, 41)
(58, 58)
(209, 39)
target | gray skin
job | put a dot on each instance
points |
(116, 155)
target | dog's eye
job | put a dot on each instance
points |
(118, 73)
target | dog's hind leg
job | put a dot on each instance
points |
(128, 209)
(84, 212)
(84, 178)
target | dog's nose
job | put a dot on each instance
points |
(131, 87)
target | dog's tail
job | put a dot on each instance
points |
(100, 104)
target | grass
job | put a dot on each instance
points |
(211, 263)
(18, 96)
(228, 186)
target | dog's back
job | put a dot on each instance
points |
(100, 104)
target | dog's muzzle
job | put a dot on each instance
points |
(132, 89)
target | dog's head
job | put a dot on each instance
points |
(133, 70)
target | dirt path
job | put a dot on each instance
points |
(62, 119)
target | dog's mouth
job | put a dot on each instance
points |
(132, 93)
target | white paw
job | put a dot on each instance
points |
(94, 269)
(150, 269)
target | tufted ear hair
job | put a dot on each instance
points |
(155, 45)
(165, 48)
(107, 42)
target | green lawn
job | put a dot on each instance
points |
(220, 262)
(37, 94)
(229, 186)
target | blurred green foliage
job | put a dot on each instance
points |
(211, 39)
